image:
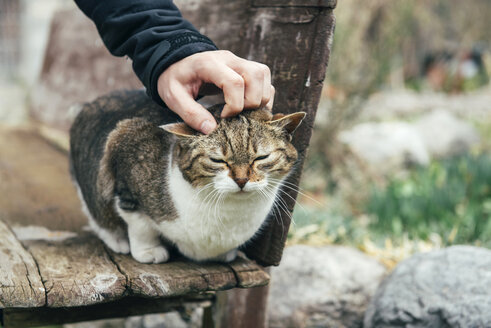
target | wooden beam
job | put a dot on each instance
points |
(130, 306)
(295, 3)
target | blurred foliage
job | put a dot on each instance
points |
(385, 42)
(451, 198)
(448, 202)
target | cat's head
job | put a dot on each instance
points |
(246, 153)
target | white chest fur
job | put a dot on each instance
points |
(210, 224)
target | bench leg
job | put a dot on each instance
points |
(238, 308)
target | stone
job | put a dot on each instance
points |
(445, 288)
(108, 323)
(386, 146)
(445, 135)
(407, 104)
(322, 287)
(167, 320)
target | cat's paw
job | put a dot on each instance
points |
(227, 257)
(120, 245)
(157, 254)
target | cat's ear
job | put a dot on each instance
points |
(288, 122)
(180, 129)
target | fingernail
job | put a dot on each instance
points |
(207, 127)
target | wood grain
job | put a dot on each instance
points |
(77, 271)
(20, 282)
(175, 278)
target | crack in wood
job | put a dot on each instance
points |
(127, 281)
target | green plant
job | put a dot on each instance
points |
(451, 198)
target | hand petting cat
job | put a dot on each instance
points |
(245, 84)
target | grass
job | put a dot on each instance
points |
(448, 202)
(451, 198)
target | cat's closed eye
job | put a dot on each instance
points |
(261, 157)
(217, 160)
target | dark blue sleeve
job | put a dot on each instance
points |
(151, 32)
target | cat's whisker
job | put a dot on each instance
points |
(296, 202)
(197, 195)
(296, 188)
(283, 206)
(279, 218)
(207, 202)
(277, 201)
(220, 201)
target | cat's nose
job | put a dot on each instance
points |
(241, 182)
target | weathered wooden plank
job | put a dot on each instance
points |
(295, 3)
(297, 53)
(130, 306)
(35, 185)
(177, 277)
(249, 274)
(20, 283)
(77, 271)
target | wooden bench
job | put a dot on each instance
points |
(52, 270)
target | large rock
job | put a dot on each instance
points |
(403, 104)
(445, 135)
(322, 287)
(446, 288)
(386, 146)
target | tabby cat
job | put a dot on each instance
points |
(147, 184)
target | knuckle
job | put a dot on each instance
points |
(254, 102)
(200, 64)
(226, 52)
(258, 73)
(265, 69)
(167, 95)
(237, 82)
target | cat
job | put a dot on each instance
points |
(148, 182)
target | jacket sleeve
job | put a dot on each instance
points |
(151, 32)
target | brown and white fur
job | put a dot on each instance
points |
(146, 183)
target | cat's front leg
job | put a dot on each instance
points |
(144, 238)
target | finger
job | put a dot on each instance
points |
(257, 79)
(254, 82)
(267, 87)
(195, 115)
(230, 82)
(269, 105)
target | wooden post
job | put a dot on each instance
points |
(242, 308)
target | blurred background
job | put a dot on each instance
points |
(400, 157)
(399, 162)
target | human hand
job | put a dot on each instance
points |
(245, 84)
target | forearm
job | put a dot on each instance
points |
(151, 32)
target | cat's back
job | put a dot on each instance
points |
(96, 119)
(92, 126)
